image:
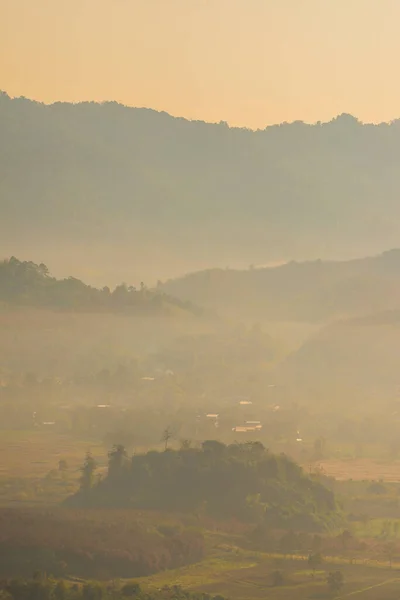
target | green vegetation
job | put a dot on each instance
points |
(164, 508)
(244, 481)
(43, 588)
(93, 544)
(63, 355)
(314, 291)
(143, 190)
(253, 413)
(28, 284)
(76, 546)
(335, 582)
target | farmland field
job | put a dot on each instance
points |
(247, 576)
(31, 459)
(35, 453)
(29, 463)
(29, 475)
(362, 469)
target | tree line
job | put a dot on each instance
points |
(41, 587)
(28, 284)
(95, 544)
(241, 480)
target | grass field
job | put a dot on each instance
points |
(242, 575)
(375, 527)
(33, 454)
(29, 465)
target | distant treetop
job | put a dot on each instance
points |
(28, 284)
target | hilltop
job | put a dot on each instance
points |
(24, 283)
(314, 291)
(141, 192)
(352, 363)
(243, 481)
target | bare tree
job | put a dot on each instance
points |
(167, 435)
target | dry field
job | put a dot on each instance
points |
(361, 469)
(33, 454)
(29, 461)
(29, 465)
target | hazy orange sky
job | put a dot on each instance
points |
(248, 62)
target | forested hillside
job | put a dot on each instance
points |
(353, 359)
(142, 192)
(299, 291)
(244, 481)
(24, 283)
(97, 544)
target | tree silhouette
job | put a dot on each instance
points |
(167, 436)
(277, 578)
(87, 472)
(335, 581)
(117, 458)
(314, 561)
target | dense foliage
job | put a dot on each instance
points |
(91, 544)
(240, 480)
(126, 182)
(26, 283)
(43, 588)
(313, 291)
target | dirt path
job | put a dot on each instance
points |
(371, 587)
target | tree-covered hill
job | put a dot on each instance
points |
(299, 291)
(133, 186)
(24, 283)
(352, 363)
(245, 481)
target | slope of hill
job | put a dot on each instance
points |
(23, 283)
(353, 362)
(139, 191)
(243, 481)
(78, 544)
(309, 291)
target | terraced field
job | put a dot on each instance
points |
(242, 575)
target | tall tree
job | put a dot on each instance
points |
(167, 435)
(117, 459)
(87, 472)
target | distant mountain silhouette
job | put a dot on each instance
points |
(23, 283)
(141, 192)
(352, 363)
(311, 291)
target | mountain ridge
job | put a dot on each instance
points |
(61, 103)
(310, 290)
(168, 195)
(26, 284)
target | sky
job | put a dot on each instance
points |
(248, 62)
